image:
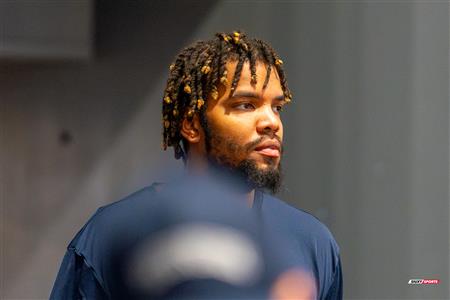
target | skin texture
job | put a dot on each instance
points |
(239, 124)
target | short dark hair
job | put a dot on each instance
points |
(196, 73)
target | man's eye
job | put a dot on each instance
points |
(245, 106)
(278, 108)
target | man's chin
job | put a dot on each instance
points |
(267, 165)
(264, 158)
(266, 175)
(249, 173)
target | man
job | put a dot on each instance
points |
(221, 114)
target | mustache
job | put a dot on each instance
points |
(252, 145)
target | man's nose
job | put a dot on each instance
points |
(268, 121)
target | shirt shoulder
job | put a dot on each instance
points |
(121, 210)
(113, 227)
(300, 221)
(312, 242)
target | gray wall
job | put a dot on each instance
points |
(390, 147)
(367, 135)
(46, 29)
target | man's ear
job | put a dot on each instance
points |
(191, 130)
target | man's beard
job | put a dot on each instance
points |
(231, 159)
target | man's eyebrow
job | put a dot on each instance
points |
(248, 94)
(280, 98)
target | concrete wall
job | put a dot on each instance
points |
(46, 29)
(367, 137)
(390, 154)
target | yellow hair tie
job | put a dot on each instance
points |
(288, 98)
(226, 38)
(214, 93)
(205, 69)
(200, 103)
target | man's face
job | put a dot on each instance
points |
(245, 132)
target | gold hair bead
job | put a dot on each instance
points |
(166, 124)
(254, 77)
(236, 36)
(175, 112)
(288, 98)
(205, 69)
(214, 93)
(190, 113)
(200, 103)
(223, 80)
(225, 37)
(245, 47)
(167, 100)
(278, 62)
(171, 67)
(187, 89)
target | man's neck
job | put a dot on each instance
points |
(202, 169)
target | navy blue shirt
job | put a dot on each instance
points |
(92, 267)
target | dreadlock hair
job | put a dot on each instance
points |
(198, 70)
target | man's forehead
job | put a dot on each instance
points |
(261, 68)
(245, 93)
(245, 89)
(231, 65)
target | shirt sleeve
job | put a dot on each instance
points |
(335, 292)
(76, 280)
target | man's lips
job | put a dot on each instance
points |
(269, 148)
(269, 152)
